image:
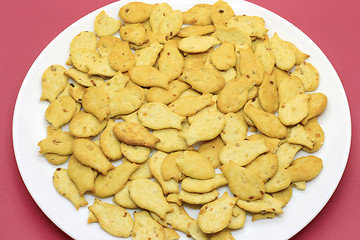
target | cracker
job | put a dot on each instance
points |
(304, 168)
(229, 74)
(135, 154)
(223, 57)
(142, 172)
(101, 67)
(174, 198)
(109, 143)
(126, 101)
(264, 53)
(235, 129)
(83, 176)
(60, 143)
(53, 82)
(234, 95)
(284, 195)
(196, 31)
(148, 195)
(233, 35)
(316, 104)
(242, 152)
(308, 74)
(280, 75)
(158, 219)
(170, 140)
(195, 165)
(215, 216)
(159, 116)
(83, 78)
(295, 110)
(155, 162)
(60, 111)
(204, 80)
(84, 39)
(278, 182)
(237, 219)
(298, 135)
(123, 198)
(121, 58)
(285, 57)
(106, 44)
(96, 101)
(148, 55)
(224, 234)
(179, 219)
(253, 26)
(286, 153)
(169, 169)
(92, 218)
(266, 204)
(316, 134)
(190, 105)
(265, 166)
(135, 12)
(267, 123)
(249, 66)
(76, 91)
(134, 134)
(105, 25)
(205, 126)
(290, 89)
(243, 183)
(171, 24)
(90, 154)
(268, 95)
(56, 159)
(195, 60)
(258, 216)
(148, 76)
(166, 96)
(198, 198)
(67, 188)
(197, 44)
(271, 143)
(158, 14)
(145, 227)
(199, 14)
(132, 117)
(115, 179)
(195, 231)
(300, 56)
(171, 61)
(301, 185)
(133, 33)
(211, 150)
(171, 234)
(221, 12)
(81, 57)
(112, 218)
(203, 186)
(85, 125)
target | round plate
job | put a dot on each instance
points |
(29, 127)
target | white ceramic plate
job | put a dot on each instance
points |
(29, 127)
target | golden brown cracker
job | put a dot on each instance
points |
(134, 134)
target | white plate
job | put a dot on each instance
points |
(29, 127)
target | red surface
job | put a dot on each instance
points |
(28, 26)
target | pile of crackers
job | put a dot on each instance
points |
(164, 108)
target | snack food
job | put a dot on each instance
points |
(172, 93)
